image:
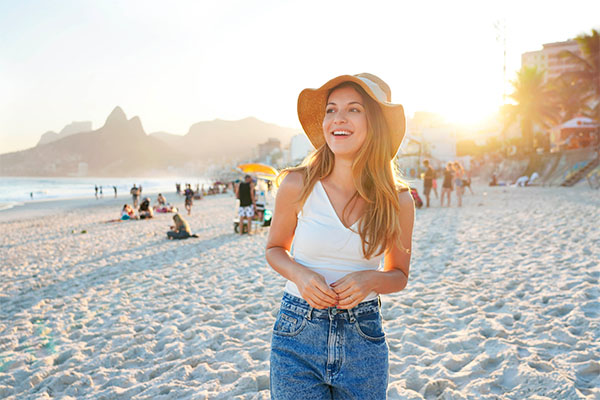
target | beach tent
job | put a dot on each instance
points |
(262, 171)
(575, 133)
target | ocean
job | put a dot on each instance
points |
(17, 191)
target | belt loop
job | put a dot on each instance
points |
(351, 314)
(309, 313)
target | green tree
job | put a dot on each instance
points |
(588, 74)
(568, 95)
(534, 104)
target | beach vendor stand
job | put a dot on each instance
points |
(264, 176)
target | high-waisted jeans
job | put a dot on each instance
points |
(328, 354)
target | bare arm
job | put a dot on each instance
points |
(311, 285)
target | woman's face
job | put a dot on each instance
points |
(345, 122)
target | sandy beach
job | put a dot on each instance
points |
(502, 302)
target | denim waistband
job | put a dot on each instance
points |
(300, 306)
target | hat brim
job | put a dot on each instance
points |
(312, 104)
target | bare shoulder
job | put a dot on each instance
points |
(291, 185)
(406, 203)
(405, 198)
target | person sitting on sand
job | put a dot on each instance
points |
(127, 212)
(181, 229)
(161, 200)
(145, 209)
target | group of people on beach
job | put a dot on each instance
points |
(455, 178)
(180, 229)
(98, 192)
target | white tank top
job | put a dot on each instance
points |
(323, 244)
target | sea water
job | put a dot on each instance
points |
(15, 191)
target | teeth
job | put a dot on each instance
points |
(341, 133)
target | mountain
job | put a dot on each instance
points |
(71, 129)
(231, 138)
(119, 148)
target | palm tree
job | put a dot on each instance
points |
(569, 96)
(535, 104)
(588, 74)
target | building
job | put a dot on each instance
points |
(300, 147)
(265, 149)
(549, 59)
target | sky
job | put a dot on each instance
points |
(177, 63)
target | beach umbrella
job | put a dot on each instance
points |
(262, 171)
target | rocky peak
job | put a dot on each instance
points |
(116, 117)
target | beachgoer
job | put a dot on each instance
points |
(96, 191)
(189, 198)
(427, 180)
(145, 210)
(161, 200)
(31, 195)
(344, 210)
(434, 183)
(135, 195)
(115, 189)
(101, 195)
(181, 229)
(447, 184)
(127, 212)
(458, 181)
(245, 192)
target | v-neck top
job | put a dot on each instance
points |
(323, 244)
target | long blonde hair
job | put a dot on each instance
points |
(375, 178)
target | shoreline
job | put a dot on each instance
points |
(45, 207)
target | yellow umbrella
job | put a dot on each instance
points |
(263, 171)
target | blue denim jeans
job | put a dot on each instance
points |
(328, 354)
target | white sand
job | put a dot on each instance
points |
(502, 303)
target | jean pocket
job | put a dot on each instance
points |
(370, 327)
(288, 323)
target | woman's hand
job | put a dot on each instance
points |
(353, 288)
(314, 289)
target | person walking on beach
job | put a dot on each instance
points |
(447, 184)
(115, 189)
(245, 192)
(427, 181)
(344, 209)
(96, 191)
(101, 195)
(189, 198)
(135, 195)
(459, 173)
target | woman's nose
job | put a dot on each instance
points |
(340, 117)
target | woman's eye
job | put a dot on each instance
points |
(354, 110)
(329, 110)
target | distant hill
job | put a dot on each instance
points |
(122, 148)
(231, 138)
(119, 148)
(71, 129)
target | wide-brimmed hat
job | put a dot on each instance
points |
(312, 104)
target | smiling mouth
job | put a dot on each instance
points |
(341, 133)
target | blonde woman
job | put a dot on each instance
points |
(181, 229)
(350, 221)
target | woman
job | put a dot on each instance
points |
(344, 211)
(145, 211)
(447, 184)
(459, 173)
(181, 229)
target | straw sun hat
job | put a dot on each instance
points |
(312, 104)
